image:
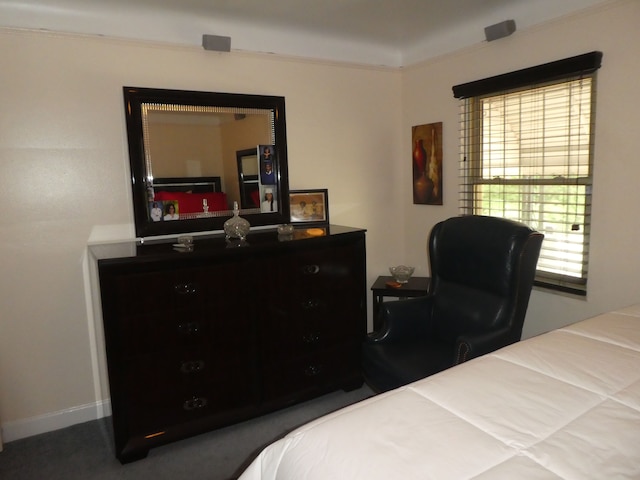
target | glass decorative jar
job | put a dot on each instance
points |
(236, 226)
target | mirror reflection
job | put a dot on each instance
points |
(185, 142)
(194, 155)
(248, 169)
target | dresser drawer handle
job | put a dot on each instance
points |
(313, 370)
(189, 328)
(310, 304)
(311, 338)
(194, 403)
(185, 288)
(311, 269)
(192, 366)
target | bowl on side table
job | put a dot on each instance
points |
(401, 273)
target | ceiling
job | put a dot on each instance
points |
(392, 33)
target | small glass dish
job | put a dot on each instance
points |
(186, 240)
(286, 229)
(185, 244)
(401, 273)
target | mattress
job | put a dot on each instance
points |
(563, 405)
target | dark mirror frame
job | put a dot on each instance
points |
(135, 97)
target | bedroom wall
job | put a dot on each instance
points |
(186, 150)
(64, 175)
(614, 270)
(64, 179)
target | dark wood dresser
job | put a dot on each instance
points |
(202, 339)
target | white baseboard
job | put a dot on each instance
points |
(54, 421)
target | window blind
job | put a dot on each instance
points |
(526, 154)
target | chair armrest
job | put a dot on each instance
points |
(471, 346)
(403, 320)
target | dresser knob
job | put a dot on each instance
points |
(311, 338)
(192, 366)
(189, 328)
(311, 269)
(185, 288)
(312, 370)
(194, 403)
(310, 304)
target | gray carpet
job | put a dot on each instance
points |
(85, 451)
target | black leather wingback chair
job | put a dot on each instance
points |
(482, 271)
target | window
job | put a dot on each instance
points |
(527, 155)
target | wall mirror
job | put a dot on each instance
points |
(195, 154)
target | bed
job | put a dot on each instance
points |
(563, 405)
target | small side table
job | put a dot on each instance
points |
(415, 287)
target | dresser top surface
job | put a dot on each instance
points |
(216, 243)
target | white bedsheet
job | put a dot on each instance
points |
(564, 405)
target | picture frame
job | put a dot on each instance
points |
(426, 142)
(309, 207)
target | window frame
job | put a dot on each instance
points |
(471, 144)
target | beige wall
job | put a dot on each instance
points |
(185, 150)
(614, 271)
(64, 179)
(64, 175)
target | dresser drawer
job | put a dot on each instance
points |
(162, 408)
(322, 371)
(304, 336)
(145, 375)
(329, 309)
(156, 291)
(133, 293)
(157, 331)
(327, 269)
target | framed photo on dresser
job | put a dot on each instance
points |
(309, 207)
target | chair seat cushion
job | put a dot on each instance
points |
(390, 366)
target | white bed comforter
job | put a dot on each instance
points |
(564, 405)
